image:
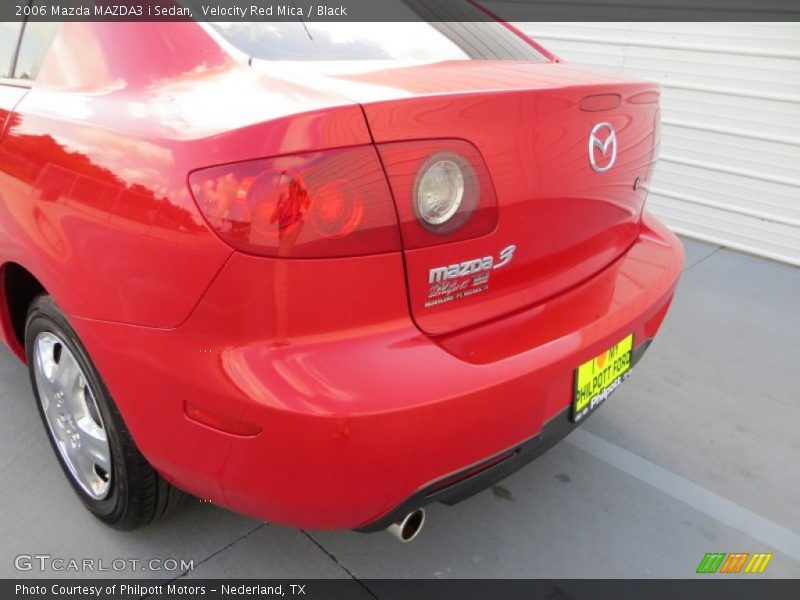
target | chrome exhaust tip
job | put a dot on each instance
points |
(409, 528)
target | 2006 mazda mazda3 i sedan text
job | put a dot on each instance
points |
(321, 274)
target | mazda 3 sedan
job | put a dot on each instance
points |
(322, 274)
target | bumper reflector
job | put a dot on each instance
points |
(215, 421)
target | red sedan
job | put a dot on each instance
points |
(321, 274)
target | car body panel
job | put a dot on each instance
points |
(9, 98)
(99, 151)
(531, 124)
(363, 414)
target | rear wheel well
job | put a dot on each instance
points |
(20, 288)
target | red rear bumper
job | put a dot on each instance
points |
(358, 410)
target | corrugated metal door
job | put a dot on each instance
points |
(729, 171)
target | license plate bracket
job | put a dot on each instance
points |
(598, 377)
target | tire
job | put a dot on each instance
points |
(96, 451)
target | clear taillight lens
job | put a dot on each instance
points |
(442, 190)
(313, 205)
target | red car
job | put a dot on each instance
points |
(321, 274)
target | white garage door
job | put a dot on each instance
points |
(729, 171)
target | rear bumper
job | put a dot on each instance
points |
(361, 423)
(473, 480)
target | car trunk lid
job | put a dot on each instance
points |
(532, 122)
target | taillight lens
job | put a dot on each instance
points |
(442, 190)
(313, 205)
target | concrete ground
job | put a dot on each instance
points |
(697, 452)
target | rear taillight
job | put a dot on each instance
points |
(442, 190)
(313, 205)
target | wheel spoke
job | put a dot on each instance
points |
(77, 457)
(48, 393)
(46, 355)
(59, 430)
(96, 449)
(67, 373)
(44, 371)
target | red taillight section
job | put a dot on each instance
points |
(313, 205)
(405, 161)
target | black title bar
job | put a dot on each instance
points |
(400, 10)
(710, 588)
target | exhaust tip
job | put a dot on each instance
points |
(409, 528)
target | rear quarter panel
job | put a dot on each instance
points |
(94, 166)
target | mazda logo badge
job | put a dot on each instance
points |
(602, 147)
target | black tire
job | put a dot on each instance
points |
(137, 494)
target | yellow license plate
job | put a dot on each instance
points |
(597, 378)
